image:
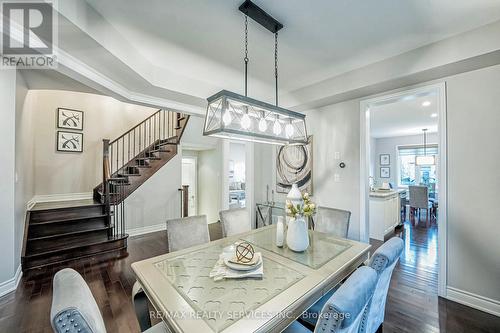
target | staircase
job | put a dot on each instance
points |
(59, 232)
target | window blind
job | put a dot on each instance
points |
(418, 150)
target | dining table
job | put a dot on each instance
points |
(187, 299)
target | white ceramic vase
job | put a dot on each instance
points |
(297, 237)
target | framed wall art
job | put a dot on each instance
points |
(385, 172)
(69, 141)
(70, 119)
(385, 159)
(294, 165)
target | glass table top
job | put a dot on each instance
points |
(322, 248)
(221, 303)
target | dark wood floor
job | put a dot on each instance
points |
(412, 304)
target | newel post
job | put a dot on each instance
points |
(106, 173)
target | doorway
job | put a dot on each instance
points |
(190, 178)
(395, 160)
(237, 175)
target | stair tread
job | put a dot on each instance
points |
(130, 174)
(63, 205)
(147, 158)
(68, 234)
(68, 219)
(116, 179)
(75, 246)
(161, 151)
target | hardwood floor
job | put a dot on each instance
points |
(412, 304)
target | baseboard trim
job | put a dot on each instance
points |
(11, 284)
(146, 230)
(478, 302)
(61, 197)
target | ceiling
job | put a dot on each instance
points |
(196, 46)
(405, 116)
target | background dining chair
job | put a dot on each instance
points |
(234, 221)
(419, 199)
(181, 233)
(186, 232)
(343, 312)
(74, 308)
(333, 221)
(383, 262)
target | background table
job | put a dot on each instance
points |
(180, 289)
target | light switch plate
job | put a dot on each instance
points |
(336, 177)
(337, 155)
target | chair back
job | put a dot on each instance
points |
(383, 262)
(333, 221)
(186, 232)
(73, 307)
(234, 221)
(343, 312)
(419, 196)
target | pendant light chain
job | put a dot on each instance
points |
(246, 55)
(276, 64)
(425, 142)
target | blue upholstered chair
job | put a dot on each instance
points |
(343, 312)
(74, 308)
(383, 262)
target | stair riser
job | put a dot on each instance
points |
(112, 249)
(60, 242)
(42, 230)
(63, 214)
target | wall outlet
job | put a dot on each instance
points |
(336, 178)
(337, 155)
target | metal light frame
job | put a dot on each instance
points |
(237, 105)
(426, 159)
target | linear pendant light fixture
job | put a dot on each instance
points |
(234, 116)
(425, 160)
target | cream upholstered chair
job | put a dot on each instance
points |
(333, 221)
(419, 199)
(181, 233)
(74, 308)
(186, 232)
(234, 221)
(344, 311)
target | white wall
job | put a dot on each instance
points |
(25, 170)
(157, 200)
(193, 135)
(390, 146)
(104, 118)
(474, 182)
(8, 258)
(336, 129)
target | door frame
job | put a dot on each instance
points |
(195, 159)
(365, 104)
(249, 176)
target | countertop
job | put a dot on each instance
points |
(385, 194)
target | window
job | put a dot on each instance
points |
(412, 174)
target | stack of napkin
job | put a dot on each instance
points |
(221, 271)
